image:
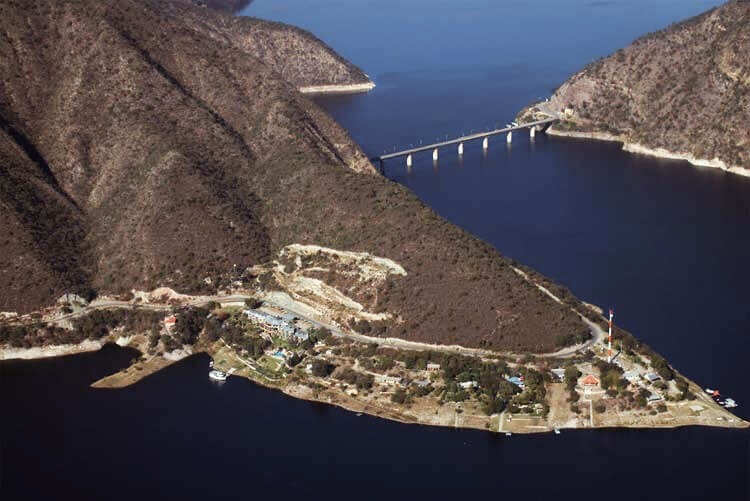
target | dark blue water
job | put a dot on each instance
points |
(663, 242)
(177, 435)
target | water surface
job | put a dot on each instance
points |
(662, 242)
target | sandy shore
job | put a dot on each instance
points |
(338, 89)
(652, 152)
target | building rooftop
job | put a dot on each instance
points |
(590, 380)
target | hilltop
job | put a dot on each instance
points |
(682, 92)
(155, 143)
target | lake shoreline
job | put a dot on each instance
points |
(640, 149)
(428, 413)
(351, 404)
(337, 89)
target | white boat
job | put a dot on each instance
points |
(709, 391)
(729, 403)
(508, 434)
(218, 375)
(557, 431)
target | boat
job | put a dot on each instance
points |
(218, 375)
(508, 434)
(557, 431)
(709, 391)
(211, 363)
(729, 403)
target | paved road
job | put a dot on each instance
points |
(597, 332)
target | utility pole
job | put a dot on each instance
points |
(611, 315)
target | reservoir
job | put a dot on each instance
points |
(663, 243)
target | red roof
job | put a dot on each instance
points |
(170, 319)
(590, 380)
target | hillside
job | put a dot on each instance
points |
(684, 90)
(144, 143)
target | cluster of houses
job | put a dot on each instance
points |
(271, 324)
(633, 377)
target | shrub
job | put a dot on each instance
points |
(321, 368)
(399, 396)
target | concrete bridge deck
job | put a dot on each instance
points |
(462, 139)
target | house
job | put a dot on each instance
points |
(632, 376)
(392, 380)
(559, 374)
(654, 397)
(421, 382)
(652, 377)
(468, 384)
(170, 322)
(433, 367)
(590, 380)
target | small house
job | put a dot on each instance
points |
(632, 376)
(433, 367)
(559, 374)
(652, 377)
(466, 385)
(170, 322)
(590, 380)
(392, 380)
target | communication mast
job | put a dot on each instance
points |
(611, 315)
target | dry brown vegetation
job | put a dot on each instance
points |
(685, 89)
(143, 143)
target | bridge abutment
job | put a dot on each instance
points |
(460, 148)
(532, 132)
(408, 160)
(509, 137)
(485, 143)
(435, 154)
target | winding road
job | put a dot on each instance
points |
(597, 332)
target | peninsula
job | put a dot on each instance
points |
(165, 184)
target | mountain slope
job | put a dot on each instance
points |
(685, 89)
(145, 145)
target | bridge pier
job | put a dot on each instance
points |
(485, 143)
(509, 137)
(435, 154)
(532, 131)
(408, 160)
(460, 148)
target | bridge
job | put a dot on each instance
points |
(484, 136)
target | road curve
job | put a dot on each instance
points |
(597, 332)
